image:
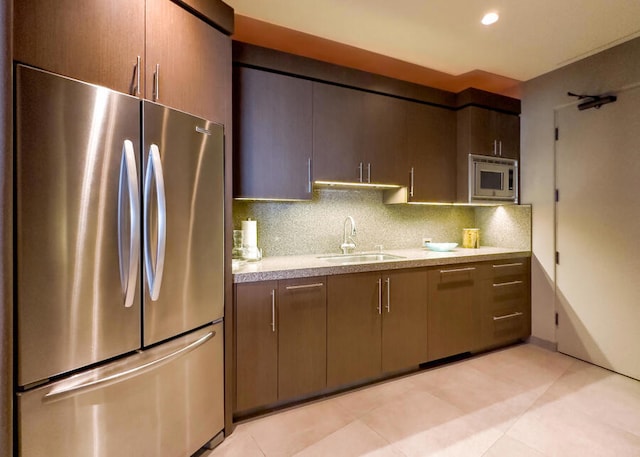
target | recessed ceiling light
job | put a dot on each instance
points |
(490, 18)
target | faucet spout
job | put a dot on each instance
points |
(348, 243)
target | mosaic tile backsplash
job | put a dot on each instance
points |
(316, 227)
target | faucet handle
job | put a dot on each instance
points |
(379, 247)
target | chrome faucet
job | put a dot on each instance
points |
(348, 243)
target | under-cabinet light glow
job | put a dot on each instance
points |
(339, 184)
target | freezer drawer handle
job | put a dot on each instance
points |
(129, 177)
(63, 391)
(154, 275)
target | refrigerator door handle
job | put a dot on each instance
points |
(129, 177)
(63, 391)
(154, 170)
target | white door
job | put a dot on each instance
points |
(598, 233)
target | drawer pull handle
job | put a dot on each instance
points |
(510, 283)
(458, 270)
(507, 316)
(305, 286)
(273, 310)
(505, 265)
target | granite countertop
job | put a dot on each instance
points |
(304, 266)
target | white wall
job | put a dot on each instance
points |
(608, 70)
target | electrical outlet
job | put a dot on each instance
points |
(425, 240)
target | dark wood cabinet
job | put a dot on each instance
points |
(256, 345)
(404, 323)
(376, 323)
(489, 132)
(452, 307)
(93, 41)
(384, 139)
(505, 307)
(280, 336)
(431, 151)
(100, 42)
(302, 337)
(192, 58)
(354, 319)
(358, 136)
(337, 134)
(273, 131)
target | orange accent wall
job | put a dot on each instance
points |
(253, 31)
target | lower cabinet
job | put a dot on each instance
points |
(280, 341)
(302, 337)
(376, 323)
(452, 295)
(505, 308)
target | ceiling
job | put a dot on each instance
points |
(531, 38)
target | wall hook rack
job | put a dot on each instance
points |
(594, 101)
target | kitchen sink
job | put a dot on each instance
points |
(346, 259)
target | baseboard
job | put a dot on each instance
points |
(545, 344)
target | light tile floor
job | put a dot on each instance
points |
(522, 401)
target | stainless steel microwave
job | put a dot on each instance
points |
(492, 179)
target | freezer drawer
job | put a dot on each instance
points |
(166, 401)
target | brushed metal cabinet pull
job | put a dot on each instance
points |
(369, 172)
(458, 270)
(136, 90)
(309, 174)
(507, 316)
(510, 283)
(411, 183)
(388, 281)
(380, 296)
(360, 168)
(505, 265)
(273, 310)
(156, 83)
(305, 286)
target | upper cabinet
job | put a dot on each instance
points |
(431, 148)
(488, 132)
(272, 135)
(181, 61)
(358, 136)
(93, 41)
(188, 62)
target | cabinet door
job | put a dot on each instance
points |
(431, 146)
(93, 41)
(353, 328)
(302, 337)
(272, 135)
(404, 323)
(256, 345)
(508, 132)
(337, 134)
(193, 61)
(385, 139)
(450, 311)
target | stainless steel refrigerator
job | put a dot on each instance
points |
(119, 267)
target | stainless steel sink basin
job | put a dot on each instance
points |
(346, 259)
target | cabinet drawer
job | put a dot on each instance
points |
(499, 328)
